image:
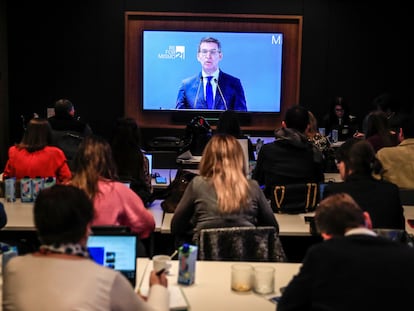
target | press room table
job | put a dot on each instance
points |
(211, 290)
(20, 215)
(289, 225)
(20, 218)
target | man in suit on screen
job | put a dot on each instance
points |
(211, 88)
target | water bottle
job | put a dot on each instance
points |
(10, 189)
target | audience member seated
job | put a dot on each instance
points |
(61, 275)
(353, 269)
(228, 123)
(387, 103)
(67, 131)
(221, 196)
(398, 161)
(339, 118)
(34, 157)
(356, 164)
(314, 136)
(115, 204)
(378, 133)
(291, 158)
(321, 142)
(131, 163)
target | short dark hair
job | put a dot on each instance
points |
(297, 117)
(228, 123)
(337, 213)
(63, 107)
(210, 40)
(62, 214)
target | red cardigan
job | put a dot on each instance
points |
(47, 162)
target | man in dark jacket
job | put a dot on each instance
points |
(291, 158)
(353, 269)
(67, 131)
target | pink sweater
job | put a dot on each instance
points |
(116, 204)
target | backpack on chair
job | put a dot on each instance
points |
(197, 134)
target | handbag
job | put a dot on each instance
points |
(176, 189)
(295, 198)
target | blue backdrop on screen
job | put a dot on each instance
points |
(171, 56)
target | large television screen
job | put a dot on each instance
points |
(261, 53)
(254, 58)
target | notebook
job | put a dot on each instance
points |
(117, 251)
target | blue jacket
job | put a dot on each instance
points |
(231, 89)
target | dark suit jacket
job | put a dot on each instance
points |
(380, 199)
(357, 272)
(192, 90)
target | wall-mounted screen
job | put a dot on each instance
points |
(260, 54)
(169, 57)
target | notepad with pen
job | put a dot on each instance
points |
(178, 301)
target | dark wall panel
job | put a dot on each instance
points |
(76, 49)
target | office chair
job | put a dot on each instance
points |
(241, 244)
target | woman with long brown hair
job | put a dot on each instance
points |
(115, 204)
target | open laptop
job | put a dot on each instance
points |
(117, 251)
(244, 144)
(149, 157)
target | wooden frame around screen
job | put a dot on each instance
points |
(135, 22)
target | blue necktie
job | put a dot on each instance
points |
(209, 93)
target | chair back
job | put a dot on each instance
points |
(241, 244)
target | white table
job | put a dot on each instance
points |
(20, 215)
(211, 290)
(289, 225)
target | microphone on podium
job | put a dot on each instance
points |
(221, 93)
(198, 91)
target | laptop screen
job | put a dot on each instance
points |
(244, 144)
(149, 157)
(115, 251)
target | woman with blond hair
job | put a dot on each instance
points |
(221, 196)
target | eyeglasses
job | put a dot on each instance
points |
(339, 109)
(213, 52)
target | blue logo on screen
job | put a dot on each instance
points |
(173, 52)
